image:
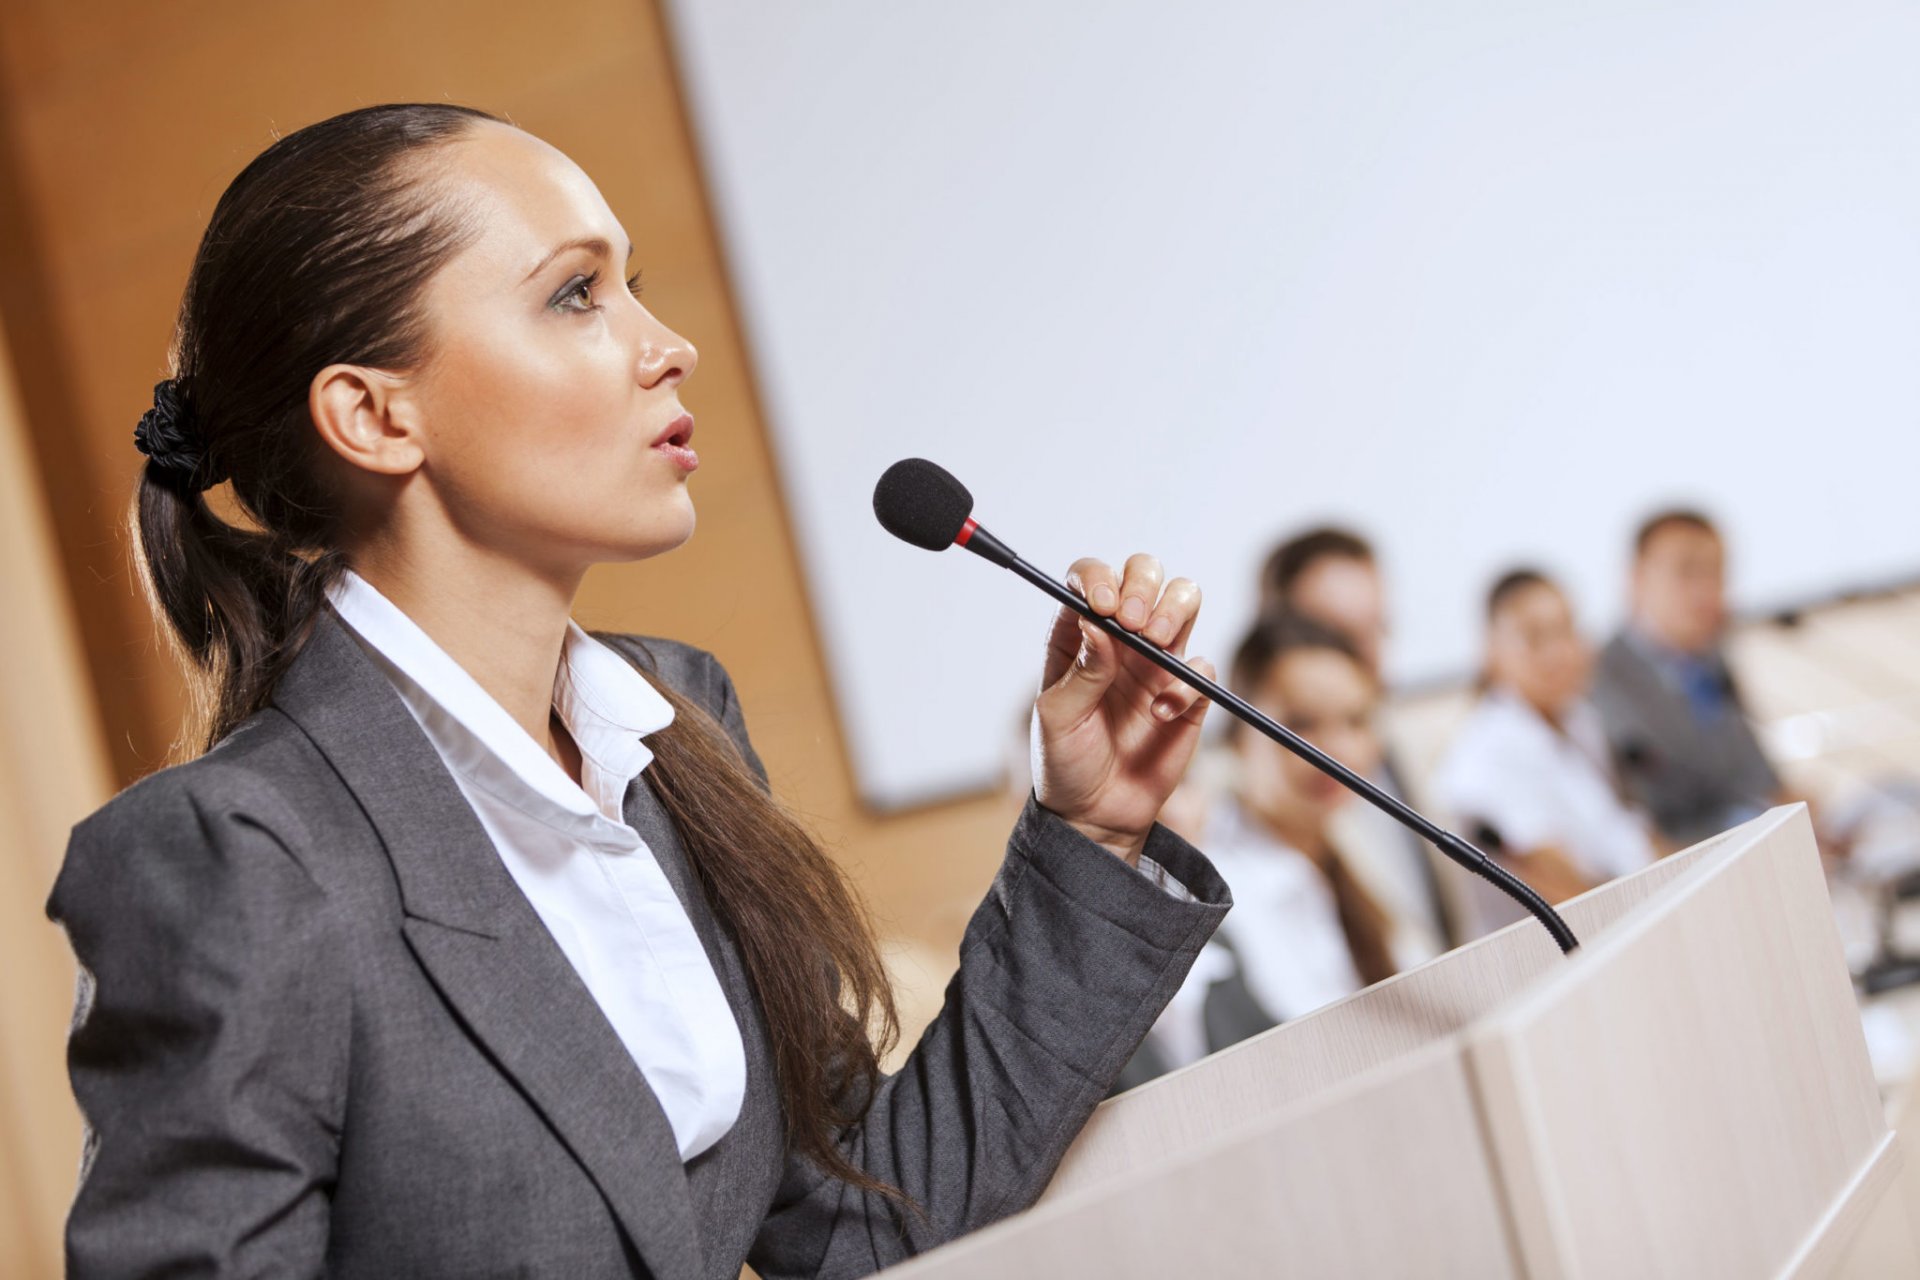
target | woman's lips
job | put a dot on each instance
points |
(1323, 788)
(673, 443)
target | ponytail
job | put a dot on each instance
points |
(237, 605)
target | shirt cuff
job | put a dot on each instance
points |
(1161, 878)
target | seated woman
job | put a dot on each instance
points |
(1304, 931)
(1528, 776)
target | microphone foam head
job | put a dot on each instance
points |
(920, 502)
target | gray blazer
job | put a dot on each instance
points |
(1695, 779)
(320, 1030)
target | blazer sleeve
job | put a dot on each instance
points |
(1063, 968)
(208, 1047)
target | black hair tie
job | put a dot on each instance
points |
(168, 435)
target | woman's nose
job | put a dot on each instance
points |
(1357, 747)
(666, 358)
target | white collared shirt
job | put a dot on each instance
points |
(1284, 928)
(1540, 786)
(588, 874)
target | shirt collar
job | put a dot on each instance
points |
(1666, 656)
(605, 703)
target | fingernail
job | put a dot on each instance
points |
(1164, 708)
(1133, 613)
(1161, 631)
(1103, 598)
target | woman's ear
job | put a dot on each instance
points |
(365, 416)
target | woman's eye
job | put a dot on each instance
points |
(577, 294)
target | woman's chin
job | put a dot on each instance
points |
(665, 535)
(662, 523)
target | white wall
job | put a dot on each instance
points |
(1487, 280)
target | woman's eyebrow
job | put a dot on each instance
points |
(596, 245)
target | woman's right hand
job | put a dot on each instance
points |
(1112, 732)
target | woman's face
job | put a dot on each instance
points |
(1534, 649)
(549, 399)
(1328, 699)
(1346, 593)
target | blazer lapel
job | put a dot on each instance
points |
(731, 1183)
(487, 950)
(1664, 703)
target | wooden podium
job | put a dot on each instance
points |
(1687, 1095)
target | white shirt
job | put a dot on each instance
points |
(1390, 863)
(1538, 786)
(588, 874)
(1284, 928)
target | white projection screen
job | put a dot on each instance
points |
(1487, 281)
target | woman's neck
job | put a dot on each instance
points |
(1554, 716)
(505, 626)
(1300, 828)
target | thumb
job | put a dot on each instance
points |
(1079, 689)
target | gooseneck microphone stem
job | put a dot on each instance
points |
(1406, 815)
(923, 504)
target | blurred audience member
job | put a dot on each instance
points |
(1672, 715)
(1529, 772)
(1331, 574)
(1304, 930)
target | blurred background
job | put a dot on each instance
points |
(1480, 285)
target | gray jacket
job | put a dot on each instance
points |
(1695, 778)
(320, 1030)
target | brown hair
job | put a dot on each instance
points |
(1287, 563)
(317, 253)
(1511, 584)
(1674, 518)
(1275, 635)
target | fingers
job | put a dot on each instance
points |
(1063, 646)
(1183, 701)
(1097, 585)
(1073, 692)
(1138, 591)
(1172, 619)
(1133, 598)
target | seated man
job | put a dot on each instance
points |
(1673, 717)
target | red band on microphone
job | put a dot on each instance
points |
(966, 531)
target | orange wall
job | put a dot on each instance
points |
(120, 123)
(53, 770)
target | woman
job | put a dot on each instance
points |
(1529, 770)
(407, 974)
(1304, 931)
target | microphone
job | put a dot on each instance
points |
(920, 502)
